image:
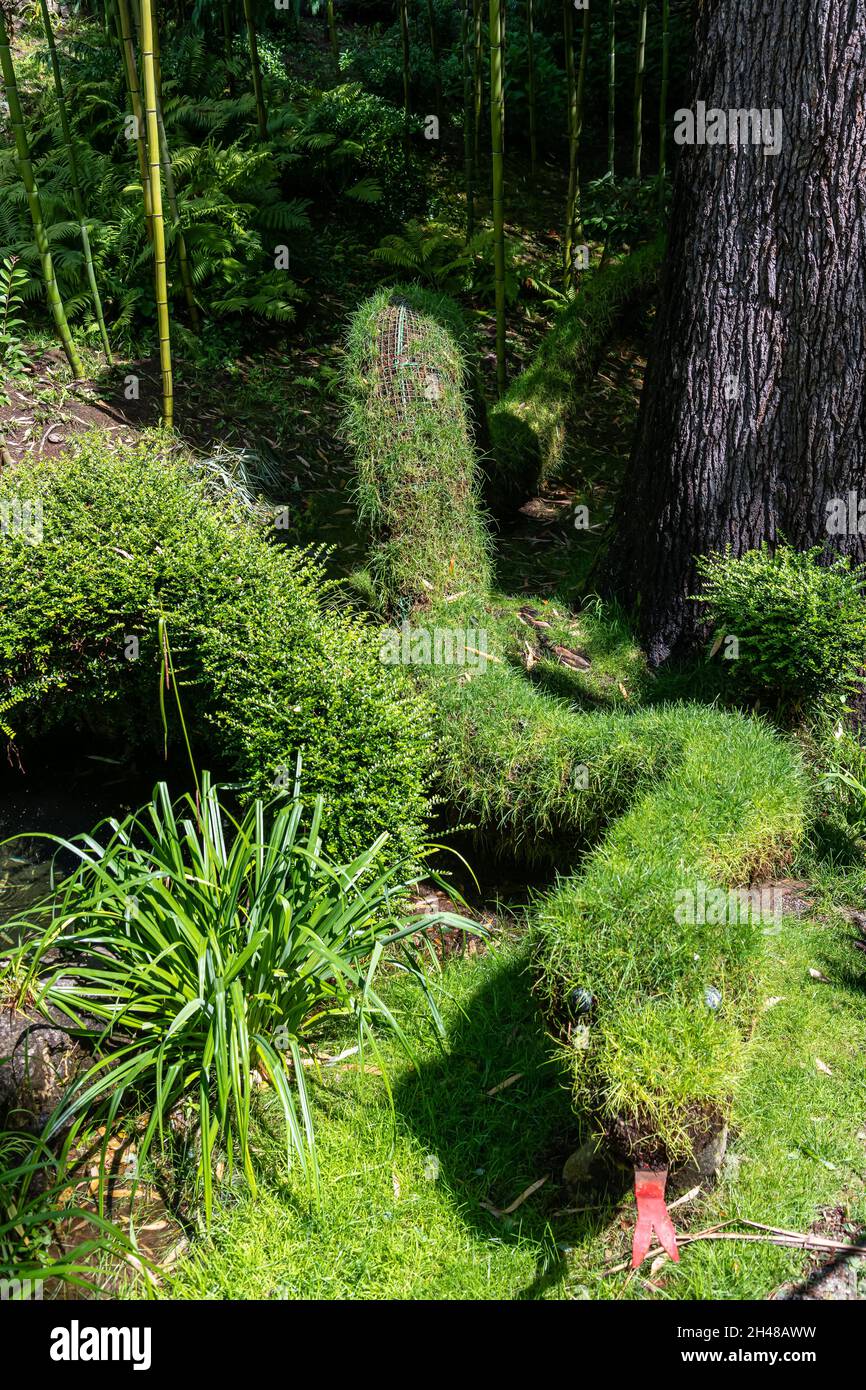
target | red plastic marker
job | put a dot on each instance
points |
(649, 1191)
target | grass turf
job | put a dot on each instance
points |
(702, 798)
(402, 1213)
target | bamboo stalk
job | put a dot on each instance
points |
(576, 87)
(571, 99)
(611, 88)
(639, 67)
(332, 35)
(171, 193)
(25, 169)
(530, 76)
(159, 265)
(75, 181)
(663, 99)
(404, 44)
(124, 24)
(496, 122)
(468, 142)
(437, 57)
(258, 90)
(478, 75)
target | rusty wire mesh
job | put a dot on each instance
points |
(409, 370)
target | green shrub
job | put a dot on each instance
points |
(528, 425)
(800, 626)
(196, 950)
(270, 667)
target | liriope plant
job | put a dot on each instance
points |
(208, 949)
(25, 169)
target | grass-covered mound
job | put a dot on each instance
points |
(528, 425)
(98, 544)
(413, 446)
(659, 1007)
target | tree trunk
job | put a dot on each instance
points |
(753, 417)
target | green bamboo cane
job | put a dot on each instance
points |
(159, 265)
(404, 43)
(530, 60)
(127, 43)
(258, 90)
(332, 34)
(571, 97)
(611, 87)
(468, 141)
(478, 75)
(228, 39)
(581, 87)
(496, 111)
(171, 193)
(25, 169)
(663, 100)
(503, 10)
(77, 199)
(640, 63)
(437, 58)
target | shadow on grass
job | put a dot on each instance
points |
(496, 1110)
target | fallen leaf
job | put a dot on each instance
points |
(822, 1066)
(509, 1081)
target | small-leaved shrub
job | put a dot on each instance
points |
(270, 667)
(800, 625)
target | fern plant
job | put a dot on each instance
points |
(13, 358)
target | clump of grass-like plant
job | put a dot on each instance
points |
(191, 950)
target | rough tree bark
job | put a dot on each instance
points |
(753, 415)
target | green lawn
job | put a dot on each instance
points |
(402, 1214)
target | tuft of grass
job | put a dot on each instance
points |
(528, 425)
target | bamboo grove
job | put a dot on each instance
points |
(472, 77)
